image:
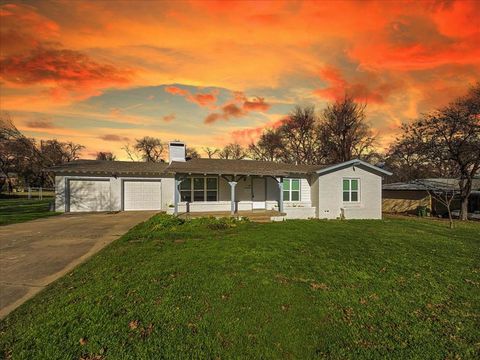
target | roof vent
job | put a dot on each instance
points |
(176, 151)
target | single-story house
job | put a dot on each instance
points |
(352, 190)
(406, 197)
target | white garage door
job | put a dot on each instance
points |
(142, 195)
(89, 195)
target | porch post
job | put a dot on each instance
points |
(176, 196)
(232, 196)
(280, 189)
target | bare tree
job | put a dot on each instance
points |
(106, 156)
(270, 147)
(443, 193)
(72, 151)
(192, 153)
(450, 138)
(344, 133)
(406, 163)
(211, 152)
(21, 155)
(148, 149)
(300, 136)
(233, 151)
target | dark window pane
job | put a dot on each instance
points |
(198, 183)
(286, 196)
(295, 195)
(199, 196)
(354, 196)
(286, 184)
(211, 196)
(186, 184)
(186, 196)
(212, 183)
(346, 185)
(346, 196)
(354, 184)
(296, 184)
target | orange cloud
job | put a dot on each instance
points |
(40, 124)
(113, 137)
(201, 99)
(365, 87)
(175, 90)
(237, 107)
(169, 118)
(61, 66)
(257, 104)
(249, 135)
(24, 28)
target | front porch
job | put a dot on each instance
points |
(228, 194)
(253, 215)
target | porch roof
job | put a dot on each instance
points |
(239, 167)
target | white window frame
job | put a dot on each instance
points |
(349, 201)
(291, 190)
(205, 190)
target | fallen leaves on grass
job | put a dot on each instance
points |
(146, 331)
(82, 341)
(471, 282)
(319, 286)
(193, 328)
(133, 324)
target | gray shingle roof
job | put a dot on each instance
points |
(104, 167)
(239, 167)
(424, 184)
(193, 166)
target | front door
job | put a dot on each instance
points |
(258, 193)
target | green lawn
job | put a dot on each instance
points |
(399, 288)
(15, 210)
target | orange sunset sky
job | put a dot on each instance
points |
(102, 73)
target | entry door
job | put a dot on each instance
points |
(258, 193)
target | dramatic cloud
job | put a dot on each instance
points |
(257, 104)
(114, 137)
(175, 90)
(65, 67)
(169, 118)
(201, 99)
(365, 86)
(78, 60)
(238, 107)
(40, 124)
(249, 135)
(23, 28)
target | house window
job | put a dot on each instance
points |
(291, 190)
(194, 189)
(350, 190)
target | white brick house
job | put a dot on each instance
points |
(352, 189)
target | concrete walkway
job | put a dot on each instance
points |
(35, 253)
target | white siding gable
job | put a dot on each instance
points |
(330, 191)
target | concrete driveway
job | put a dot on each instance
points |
(35, 253)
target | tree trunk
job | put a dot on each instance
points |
(450, 218)
(464, 208)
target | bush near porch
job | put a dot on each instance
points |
(206, 288)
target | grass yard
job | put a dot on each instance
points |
(397, 289)
(16, 210)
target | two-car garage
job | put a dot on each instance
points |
(102, 194)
